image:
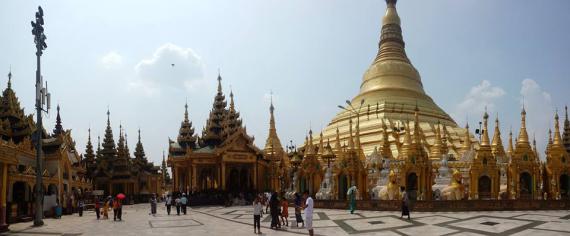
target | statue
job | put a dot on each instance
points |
(392, 190)
(455, 190)
(327, 185)
(352, 191)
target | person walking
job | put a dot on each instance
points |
(168, 203)
(284, 211)
(308, 212)
(184, 203)
(257, 209)
(119, 209)
(177, 202)
(97, 207)
(352, 191)
(153, 205)
(106, 206)
(405, 204)
(115, 204)
(274, 211)
(298, 208)
(80, 206)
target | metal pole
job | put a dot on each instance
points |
(38, 220)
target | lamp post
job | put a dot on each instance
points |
(41, 96)
(353, 111)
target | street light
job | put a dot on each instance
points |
(353, 110)
(42, 95)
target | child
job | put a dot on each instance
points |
(257, 209)
(284, 211)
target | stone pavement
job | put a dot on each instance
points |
(234, 221)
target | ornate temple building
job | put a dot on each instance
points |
(393, 135)
(64, 178)
(114, 171)
(223, 157)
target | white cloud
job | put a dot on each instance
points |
(171, 66)
(480, 96)
(111, 59)
(539, 108)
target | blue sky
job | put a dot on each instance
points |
(311, 54)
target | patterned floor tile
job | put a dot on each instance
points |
(490, 224)
(427, 230)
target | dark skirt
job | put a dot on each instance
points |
(299, 218)
(405, 210)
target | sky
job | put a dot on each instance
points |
(311, 55)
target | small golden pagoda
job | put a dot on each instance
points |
(524, 168)
(416, 172)
(557, 166)
(311, 170)
(349, 168)
(484, 172)
(391, 88)
(275, 155)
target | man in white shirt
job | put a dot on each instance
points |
(308, 212)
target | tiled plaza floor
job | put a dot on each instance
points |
(234, 221)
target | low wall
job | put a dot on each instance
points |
(464, 205)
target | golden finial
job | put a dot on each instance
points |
(484, 132)
(557, 138)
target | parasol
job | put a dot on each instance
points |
(121, 196)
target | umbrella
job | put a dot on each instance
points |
(121, 196)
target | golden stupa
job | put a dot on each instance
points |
(390, 92)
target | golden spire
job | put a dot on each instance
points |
(310, 149)
(549, 145)
(385, 152)
(485, 133)
(497, 143)
(351, 138)
(272, 144)
(510, 148)
(321, 144)
(557, 137)
(523, 135)
(436, 148)
(444, 148)
(407, 143)
(357, 136)
(337, 145)
(417, 129)
(467, 141)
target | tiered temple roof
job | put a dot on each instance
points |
(212, 135)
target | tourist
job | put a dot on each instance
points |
(153, 205)
(177, 202)
(115, 204)
(274, 211)
(168, 203)
(97, 207)
(257, 209)
(298, 207)
(184, 203)
(308, 212)
(405, 203)
(106, 208)
(267, 196)
(284, 210)
(352, 191)
(119, 209)
(80, 206)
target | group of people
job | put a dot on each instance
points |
(110, 202)
(181, 203)
(279, 211)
